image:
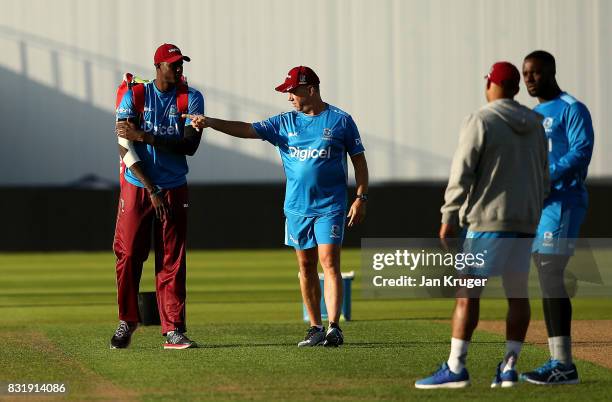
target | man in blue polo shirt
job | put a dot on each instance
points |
(569, 131)
(313, 141)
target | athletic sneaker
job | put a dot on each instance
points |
(553, 372)
(444, 378)
(504, 379)
(123, 335)
(177, 340)
(334, 337)
(314, 336)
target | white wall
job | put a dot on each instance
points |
(407, 70)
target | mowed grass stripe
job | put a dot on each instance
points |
(261, 362)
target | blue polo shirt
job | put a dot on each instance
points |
(314, 152)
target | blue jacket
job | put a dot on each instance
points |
(569, 130)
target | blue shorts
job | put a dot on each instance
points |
(302, 232)
(559, 227)
(501, 252)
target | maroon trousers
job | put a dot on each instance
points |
(135, 221)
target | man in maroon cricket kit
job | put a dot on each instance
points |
(154, 194)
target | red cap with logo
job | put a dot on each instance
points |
(168, 53)
(297, 76)
(504, 74)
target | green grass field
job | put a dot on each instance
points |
(58, 313)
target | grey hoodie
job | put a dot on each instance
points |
(499, 175)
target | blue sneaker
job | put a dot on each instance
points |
(505, 379)
(553, 372)
(444, 378)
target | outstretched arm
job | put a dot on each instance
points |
(238, 129)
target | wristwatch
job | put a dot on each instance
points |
(362, 197)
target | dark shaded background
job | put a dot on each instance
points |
(231, 216)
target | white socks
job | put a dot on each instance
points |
(513, 350)
(561, 349)
(459, 348)
(458, 354)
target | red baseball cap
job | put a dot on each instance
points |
(168, 53)
(504, 74)
(297, 76)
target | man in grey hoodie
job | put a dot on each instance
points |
(497, 185)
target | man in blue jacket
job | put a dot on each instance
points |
(569, 131)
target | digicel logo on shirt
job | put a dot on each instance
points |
(310, 153)
(160, 129)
